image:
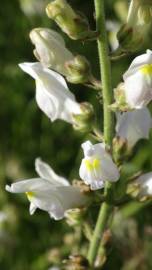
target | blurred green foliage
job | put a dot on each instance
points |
(29, 243)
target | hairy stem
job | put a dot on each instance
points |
(105, 69)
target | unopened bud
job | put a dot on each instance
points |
(75, 25)
(128, 39)
(120, 99)
(120, 149)
(75, 216)
(84, 121)
(133, 189)
(50, 49)
(135, 33)
(78, 70)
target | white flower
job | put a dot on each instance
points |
(145, 184)
(50, 49)
(50, 192)
(97, 166)
(134, 125)
(52, 94)
(138, 81)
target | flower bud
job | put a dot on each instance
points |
(120, 99)
(133, 35)
(78, 70)
(84, 121)
(75, 25)
(50, 49)
(128, 40)
(120, 150)
(75, 216)
(133, 189)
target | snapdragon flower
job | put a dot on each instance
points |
(138, 81)
(74, 24)
(97, 166)
(52, 94)
(50, 192)
(145, 185)
(134, 125)
(50, 49)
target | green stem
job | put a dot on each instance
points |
(105, 69)
(98, 232)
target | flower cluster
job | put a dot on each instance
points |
(135, 93)
(56, 64)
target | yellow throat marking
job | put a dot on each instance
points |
(146, 69)
(92, 165)
(29, 194)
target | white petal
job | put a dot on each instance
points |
(138, 84)
(50, 47)
(46, 172)
(47, 103)
(95, 185)
(45, 200)
(47, 76)
(52, 35)
(138, 92)
(134, 125)
(52, 94)
(85, 175)
(87, 148)
(97, 166)
(47, 34)
(71, 197)
(57, 213)
(32, 208)
(99, 150)
(145, 182)
(58, 200)
(72, 106)
(28, 185)
(96, 149)
(138, 62)
(109, 169)
(32, 69)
